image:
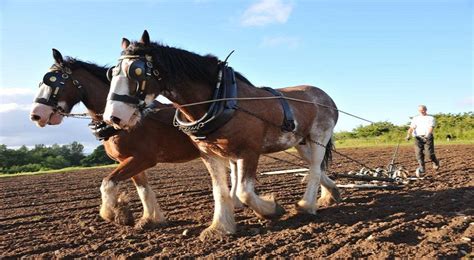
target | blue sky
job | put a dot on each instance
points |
(377, 59)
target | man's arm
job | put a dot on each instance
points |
(410, 130)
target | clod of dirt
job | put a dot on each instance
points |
(123, 215)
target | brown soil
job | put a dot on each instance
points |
(56, 215)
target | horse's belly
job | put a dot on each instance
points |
(281, 142)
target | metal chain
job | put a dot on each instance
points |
(77, 115)
(285, 161)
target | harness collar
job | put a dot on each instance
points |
(219, 112)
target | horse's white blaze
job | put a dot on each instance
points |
(44, 91)
(224, 207)
(41, 110)
(151, 210)
(109, 193)
(126, 113)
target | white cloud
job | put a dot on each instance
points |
(276, 41)
(8, 92)
(266, 12)
(13, 106)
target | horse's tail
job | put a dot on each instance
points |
(327, 155)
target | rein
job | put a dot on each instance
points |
(151, 110)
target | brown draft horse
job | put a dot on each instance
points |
(185, 77)
(87, 82)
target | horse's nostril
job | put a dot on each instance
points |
(35, 117)
(115, 120)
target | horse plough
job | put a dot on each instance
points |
(394, 176)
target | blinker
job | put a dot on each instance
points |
(110, 73)
(136, 69)
(54, 79)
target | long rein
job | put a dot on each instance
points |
(154, 110)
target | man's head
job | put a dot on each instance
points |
(422, 109)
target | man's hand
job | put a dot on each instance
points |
(408, 137)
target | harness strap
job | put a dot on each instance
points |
(219, 112)
(127, 99)
(288, 124)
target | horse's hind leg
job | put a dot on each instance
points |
(223, 222)
(152, 214)
(329, 192)
(264, 207)
(308, 202)
(234, 183)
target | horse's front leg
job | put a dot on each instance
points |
(113, 208)
(264, 207)
(152, 214)
(223, 222)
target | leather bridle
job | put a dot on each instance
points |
(56, 79)
(141, 70)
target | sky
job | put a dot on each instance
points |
(378, 59)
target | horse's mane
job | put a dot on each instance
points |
(179, 64)
(97, 70)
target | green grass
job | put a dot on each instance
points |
(352, 143)
(4, 175)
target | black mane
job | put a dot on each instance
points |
(177, 65)
(97, 70)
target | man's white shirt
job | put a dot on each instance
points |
(421, 124)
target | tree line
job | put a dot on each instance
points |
(42, 157)
(457, 126)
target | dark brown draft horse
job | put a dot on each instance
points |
(148, 69)
(87, 83)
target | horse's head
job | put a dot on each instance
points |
(134, 83)
(58, 93)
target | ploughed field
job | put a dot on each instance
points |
(56, 215)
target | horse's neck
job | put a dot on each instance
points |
(95, 93)
(191, 93)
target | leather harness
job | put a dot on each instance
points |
(56, 79)
(219, 112)
(288, 124)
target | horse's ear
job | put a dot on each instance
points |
(125, 43)
(58, 57)
(145, 38)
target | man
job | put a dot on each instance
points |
(421, 128)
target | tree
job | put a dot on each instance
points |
(97, 157)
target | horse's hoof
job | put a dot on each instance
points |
(279, 212)
(107, 215)
(336, 195)
(333, 198)
(123, 216)
(146, 223)
(211, 234)
(304, 211)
